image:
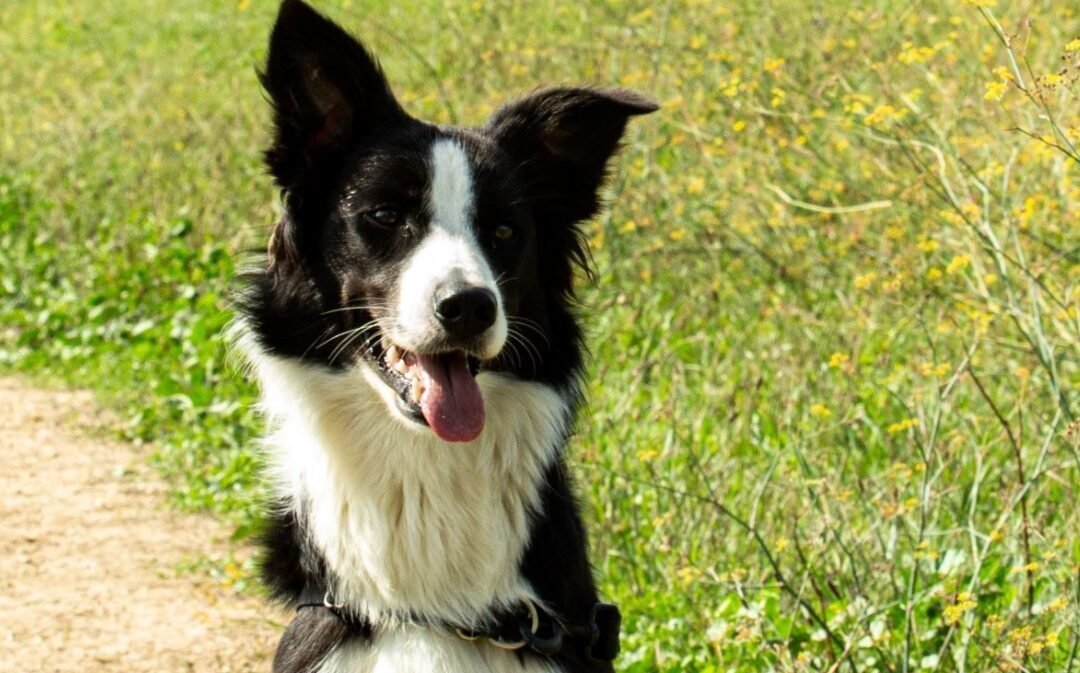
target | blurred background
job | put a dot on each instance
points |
(835, 331)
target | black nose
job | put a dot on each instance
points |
(463, 310)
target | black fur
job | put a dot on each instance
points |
(342, 147)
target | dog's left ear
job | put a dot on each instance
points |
(326, 90)
(568, 135)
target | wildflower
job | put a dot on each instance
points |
(1073, 45)
(938, 370)
(958, 264)
(884, 115)
(628, 227)
(688, 575)
(954, 612)
(820, 410)
(927, 245)
(838, 360)
(994, 90)
(738, 126)
(695, 185)
(865, 280)
(772, 64)
(678, 234)
(1030, 568)
(1052, 80)
(778, 96)
(1057, 604)
(912, 54)
(934, 274)
(895, 428)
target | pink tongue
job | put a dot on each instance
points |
(451, 403)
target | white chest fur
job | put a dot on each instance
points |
(416, 649)
(406, 522)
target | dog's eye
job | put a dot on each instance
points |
(504, 232)
(384, 217)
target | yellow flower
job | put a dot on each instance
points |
(928, 245)
(820, 410)
(954, 612)
(695, 185)
(1030, 568)
(958, 264)
(982, 3)
(677, 235)
(865, 280)
(895, 428)
(837, 360)
(688, 575)
(647, 455)
(778, 96)
(1057, 604)
(1074, 45)
(738, 126)
(994, 90)
(772, 64)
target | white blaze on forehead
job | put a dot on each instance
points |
(449, 252)
(451, 187)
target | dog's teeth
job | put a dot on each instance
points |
(400, 367)
(393, 356)
(417, 390)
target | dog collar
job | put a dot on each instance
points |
(597, 639)
(528, 628)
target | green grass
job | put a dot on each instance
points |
(835, 332)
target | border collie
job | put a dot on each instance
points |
(413, 333)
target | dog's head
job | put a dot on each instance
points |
(427, 254)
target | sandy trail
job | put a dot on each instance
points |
(89, 556)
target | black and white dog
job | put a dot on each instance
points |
(413, 333)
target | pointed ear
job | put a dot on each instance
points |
(325, 88)
(568, 135)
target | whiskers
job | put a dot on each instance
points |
(519, 345)
(365, 333)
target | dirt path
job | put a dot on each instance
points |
(89, 556)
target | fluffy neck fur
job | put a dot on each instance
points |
(406, 524)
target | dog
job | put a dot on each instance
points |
(413, 332)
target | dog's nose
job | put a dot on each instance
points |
(464, 310)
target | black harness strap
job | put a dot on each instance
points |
(597, 639)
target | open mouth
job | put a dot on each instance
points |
(436, 389)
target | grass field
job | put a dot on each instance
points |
(836, 326)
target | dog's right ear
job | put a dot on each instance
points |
(326, 90)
